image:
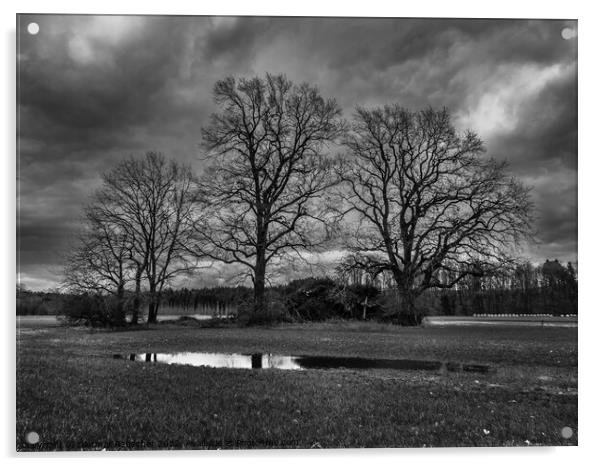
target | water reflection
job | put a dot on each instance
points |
(272, 361)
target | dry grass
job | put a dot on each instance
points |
(71, 391)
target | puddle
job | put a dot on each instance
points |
(168, 317)
(273, 361)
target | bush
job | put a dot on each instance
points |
(357, 296)
(318, 299)
(276, 312)
(95, 310)
(314, 299)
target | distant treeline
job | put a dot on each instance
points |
(527, 289)
(195, 299)
(39, 302)
(550, 288)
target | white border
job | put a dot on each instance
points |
(589, 256)
(431, 8)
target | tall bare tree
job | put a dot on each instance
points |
(150, 202)
(267, 172)
(427, 201)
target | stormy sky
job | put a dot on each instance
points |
(94, 89)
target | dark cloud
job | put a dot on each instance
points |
(546, 129)
(93, 89)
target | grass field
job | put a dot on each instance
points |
(73, 393)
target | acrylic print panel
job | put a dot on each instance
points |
(263, 232)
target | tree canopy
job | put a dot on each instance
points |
(428, 204)
(267, 172)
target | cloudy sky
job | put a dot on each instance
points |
(93, 89)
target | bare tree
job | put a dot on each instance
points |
(267, 173)
(99, 262)
(151, 201)
(427, 202)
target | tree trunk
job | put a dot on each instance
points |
(259, 283)
(153, 305)
(408, 313)
(136, 305)
(153, 308)
(151, 319)
(119, 318)
(136, 309)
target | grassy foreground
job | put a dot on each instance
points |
(76, 396)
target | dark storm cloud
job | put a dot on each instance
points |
(547, 129)
(75, 91)
(95, 89)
